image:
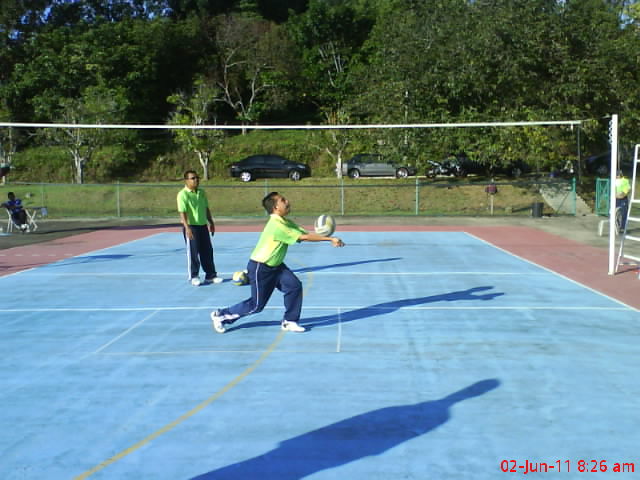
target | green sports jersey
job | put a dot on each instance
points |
(275, 239)
(194, 204)
(623, 187)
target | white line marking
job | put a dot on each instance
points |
(336, 307)
(124, 333)
(575, 282)
(368, 274)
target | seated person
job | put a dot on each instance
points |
(19, 215)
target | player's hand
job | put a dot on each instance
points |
(212, 229)
(336, 242)
(189, 233)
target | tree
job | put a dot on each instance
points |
(196, 109)
(7, 141)
(97, 105)
(328, 36)
(249, 68)
(336, 141)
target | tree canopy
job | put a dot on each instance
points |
(371, 61)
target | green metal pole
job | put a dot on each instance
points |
(575, 196)
(118, 198)
(417, 196)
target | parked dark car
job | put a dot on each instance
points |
(375, 165)
(268, 166)
(514, 169)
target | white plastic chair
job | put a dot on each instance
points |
(32, 215)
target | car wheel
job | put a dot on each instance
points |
(402, 173)
(246, 176)
(355, 173)
(516, 172)
(295, 175)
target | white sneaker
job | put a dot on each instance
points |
(292, 327)
(216, 318)
(207, 281)
(195, 281)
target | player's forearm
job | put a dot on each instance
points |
(314, 237)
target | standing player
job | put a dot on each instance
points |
(267, 270)
(623, 187)
(193, 208)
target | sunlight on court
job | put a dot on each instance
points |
(427, 355)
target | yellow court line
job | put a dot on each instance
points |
(187, 415)
(194, 410)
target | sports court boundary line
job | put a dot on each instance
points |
(581, 263)
(341, 308)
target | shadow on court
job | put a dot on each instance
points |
(471, 294)
(346, 264)
(371, 433)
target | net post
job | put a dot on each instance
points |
(613, 138)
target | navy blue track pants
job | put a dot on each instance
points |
(264, 280)
(199, 252)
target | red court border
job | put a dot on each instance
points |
(582, 263)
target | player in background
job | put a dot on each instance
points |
(623, 187)
(195, 215)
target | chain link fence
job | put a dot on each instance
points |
(346, 197)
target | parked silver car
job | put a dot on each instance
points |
(375, 165)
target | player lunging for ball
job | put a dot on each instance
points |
(267, 270)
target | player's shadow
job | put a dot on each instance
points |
(346, 264)
(471, 294)
(368, 434)
(90, 259)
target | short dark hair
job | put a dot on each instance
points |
(269, 202)
(189, 172)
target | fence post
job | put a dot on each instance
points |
(118, 199)
(417, 196)
(575, 199)
(342, 196)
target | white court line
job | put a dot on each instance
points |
(338, 307)
(20, 272)
(124, 333)
(575, 282)
(368, 274)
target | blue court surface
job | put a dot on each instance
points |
(429, 355)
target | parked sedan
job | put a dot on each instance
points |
(375, 165)
(268, 166)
